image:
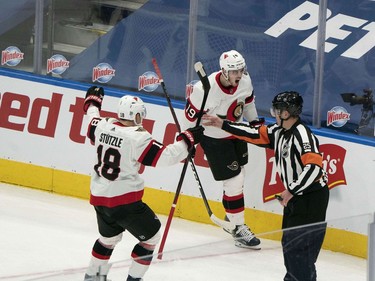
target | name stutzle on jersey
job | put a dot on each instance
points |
(110, 140)
(232, 103)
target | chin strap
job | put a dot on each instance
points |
(282, 121)
(285, 119)
(226, 77)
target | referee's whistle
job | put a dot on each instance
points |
(278, 197)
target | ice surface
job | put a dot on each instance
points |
(44, 236)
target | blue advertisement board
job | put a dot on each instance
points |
(277, 38)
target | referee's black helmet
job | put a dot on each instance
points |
(290, 101)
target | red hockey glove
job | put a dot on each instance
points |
(94, 95)
(191, 136)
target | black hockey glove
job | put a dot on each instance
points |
(94, 95)
(257, 123)
(191, 136)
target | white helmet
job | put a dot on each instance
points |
(129, 107)
(231, 60)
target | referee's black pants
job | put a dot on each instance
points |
(301, 245)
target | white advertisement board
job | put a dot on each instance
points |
(44, 125)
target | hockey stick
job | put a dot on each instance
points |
(202, 75)
(206, 87)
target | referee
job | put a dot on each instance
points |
(306, 195)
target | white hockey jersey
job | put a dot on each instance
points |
(120, 152)
(233, 103)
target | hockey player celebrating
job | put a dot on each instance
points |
(231, 97)
(116, 190)
(300, 165)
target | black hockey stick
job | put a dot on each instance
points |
(202, 75)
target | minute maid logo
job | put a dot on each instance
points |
(148, 81)
(103, 73)
(337, 116)
(11, 56)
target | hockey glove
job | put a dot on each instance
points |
(94, 95)
(257, 123)
(191, 136)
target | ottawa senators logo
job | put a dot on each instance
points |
(234, 166)
(235, 111)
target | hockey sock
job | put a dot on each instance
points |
(100, 257)
(142, 255)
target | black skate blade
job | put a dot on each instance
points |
(240, 245)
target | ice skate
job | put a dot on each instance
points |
(244, 238)
(95, 278)
(130, 278)
(101, 275)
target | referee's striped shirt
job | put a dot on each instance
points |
(297, 155)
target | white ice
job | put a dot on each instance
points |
(44, 236)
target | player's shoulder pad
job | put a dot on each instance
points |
(198, 87)
(246, 78)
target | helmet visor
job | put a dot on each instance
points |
(236, 72)
(275, 111)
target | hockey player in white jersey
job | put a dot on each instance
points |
(116, 190)
(231, 97)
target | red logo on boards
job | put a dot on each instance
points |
(333, 163)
